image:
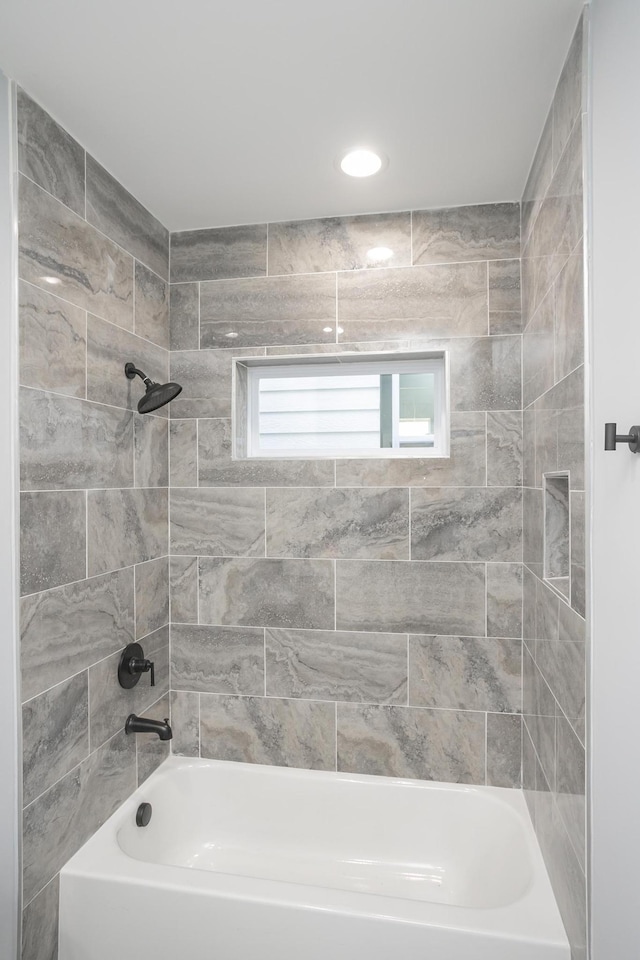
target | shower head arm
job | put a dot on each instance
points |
(132, 371)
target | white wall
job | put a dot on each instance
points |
(615, 701)
(9, 778)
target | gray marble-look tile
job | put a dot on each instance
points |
(340, 243)
(126, 527)
(394, 741)
(328, 665)
(116, 213)
(538, 352)
(538, 276)
(486, 373)
(571, 786)
(151, 751)
(108, 349)
(567, 879)
(435, 301)
(183, 453)
(484, 232)
(48, 155)
(217, 469)
(504, 599)
(69, 444)
(288, 733)
(567, 103)
(151, 449)
(556, 532)
(563, 666)
(578, 555)
(69, 628)
(110, 704)
(466, 523)
(465, 466)
(547, 612)
(560, 223)
(55, 734)
(62, 819)
(546, 444)
(185, 723)
(465, 673)
(268, 310)
(184, 589)
(569, 316)
(505, 300)
(566, 402)
(52, 539)
(353, 523)
(219, 253)
(532, 529)
(205, 376)
(504, 448)
(571, 626)
(410, 597)
(538, 180)
(529, 444)
(151, 314)
(40, 925)
(539, 710)
(217, 659)
(504, 750)
(373, 346)
(529, 762)
(184, 316)
(152, 596)
(53, 342)
(269, 593)
(529, 587)
(93, 272)
(217, 521)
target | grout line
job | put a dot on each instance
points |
(264, 654)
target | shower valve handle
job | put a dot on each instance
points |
(612, 437)
(133, 664)
(142, 666)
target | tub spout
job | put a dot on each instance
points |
(144, 725)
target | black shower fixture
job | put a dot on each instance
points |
(157, 393)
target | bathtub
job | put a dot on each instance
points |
(241, 861)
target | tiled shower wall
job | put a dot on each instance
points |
(94, 501)
(553, 386)
(359, 615)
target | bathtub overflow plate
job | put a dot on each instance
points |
(143, 814)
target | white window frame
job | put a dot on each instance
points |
(248, 371)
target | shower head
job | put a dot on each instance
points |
(157, 393)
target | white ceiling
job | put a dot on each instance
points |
(217, 112)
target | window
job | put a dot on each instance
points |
(337, 406)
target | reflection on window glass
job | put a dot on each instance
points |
(365, 412)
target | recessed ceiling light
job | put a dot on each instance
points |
(327, 329)
(361, 163)
(379, 254)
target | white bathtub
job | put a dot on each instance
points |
(242, 861)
